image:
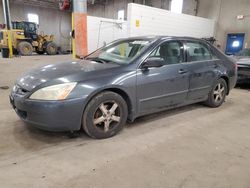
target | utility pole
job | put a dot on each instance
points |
(79, 26)
(6, 11)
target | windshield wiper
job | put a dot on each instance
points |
(97, 59)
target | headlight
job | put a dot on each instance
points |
(55, 92)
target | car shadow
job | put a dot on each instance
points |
(165, 114)
(33, 139)
(245, 86)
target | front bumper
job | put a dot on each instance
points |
(49, 115)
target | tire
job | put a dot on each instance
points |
(51, 48)
(25, 48)
(5, 52)
(98, 121)
(217, 95)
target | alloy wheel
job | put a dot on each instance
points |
(219, 93)
(107, 116)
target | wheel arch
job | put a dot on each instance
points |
(124, 95)
(120, 92)
(224, 77)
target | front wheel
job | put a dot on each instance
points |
(218, 94)
(105, 115)
(51, 48)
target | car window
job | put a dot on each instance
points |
(197, 52)
(170, 52)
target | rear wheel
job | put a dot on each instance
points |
(51, 48)
(218, 94)
(25, 48)
(105, 115)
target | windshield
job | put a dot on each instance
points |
(245, 52)
(121, 52)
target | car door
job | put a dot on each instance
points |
(166, 86)
(201, 64)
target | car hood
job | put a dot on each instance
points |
(243, 60)
(70, 71)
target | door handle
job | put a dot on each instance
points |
(182, 71)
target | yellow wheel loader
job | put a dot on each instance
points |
(25, 40)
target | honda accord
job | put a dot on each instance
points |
(126, 79)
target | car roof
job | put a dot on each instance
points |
(161, 37)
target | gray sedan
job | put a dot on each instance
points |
(122, 81)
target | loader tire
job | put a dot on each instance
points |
(25, 48)
(51, 48)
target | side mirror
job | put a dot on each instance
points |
(153, 62)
